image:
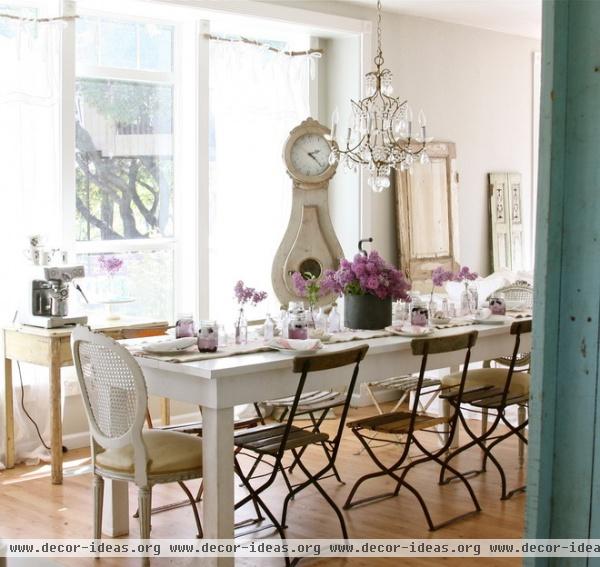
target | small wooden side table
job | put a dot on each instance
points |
(52, 348)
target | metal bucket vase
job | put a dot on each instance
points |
(367, 312)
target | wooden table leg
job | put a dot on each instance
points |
(9, 416)
(56, 416)
(165, 411)
(116, 506)
(217, 458)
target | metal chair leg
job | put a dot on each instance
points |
(194, 508)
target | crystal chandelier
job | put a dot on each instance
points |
(380, 135)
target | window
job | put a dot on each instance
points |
(250, 192)
(124, 159)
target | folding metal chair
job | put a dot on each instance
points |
(491, 389)
(276, 439)
(411, 423)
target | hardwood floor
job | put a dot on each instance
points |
(31, 507)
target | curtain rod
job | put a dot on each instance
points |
(315, 52)
(38, 20)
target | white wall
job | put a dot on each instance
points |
(476, 89)
(340, 80)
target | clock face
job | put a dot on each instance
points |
(310, 155)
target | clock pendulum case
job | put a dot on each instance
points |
(309, 243)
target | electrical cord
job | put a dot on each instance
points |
(25, 411)
(37, 429)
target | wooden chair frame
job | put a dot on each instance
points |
(132, 437)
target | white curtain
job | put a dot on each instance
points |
(257, 97)
(29, 186)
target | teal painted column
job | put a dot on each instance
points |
(563, 498)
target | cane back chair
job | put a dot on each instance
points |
(409, 425)
(491, 389)
(115, 400)
(277, 439)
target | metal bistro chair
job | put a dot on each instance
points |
(316, 405)
(493, 389)
(411, 423)
(115, 399)
(522, 292)
(277, 439)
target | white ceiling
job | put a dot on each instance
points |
(517, 17)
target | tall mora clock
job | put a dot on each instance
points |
(309, 243)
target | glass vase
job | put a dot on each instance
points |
(465, 301)
(241, 328)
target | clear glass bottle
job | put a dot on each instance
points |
(184, 327)
(208, 336)
(298, 325)
(465, 301)
(473, 298)
(334, 322)
(241, 328)
(445, 308)
(283, 321)
(268, 329)
(321, 320)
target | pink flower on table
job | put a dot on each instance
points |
(367, 274)
(250, 295)
(439, 276)
(466, 274)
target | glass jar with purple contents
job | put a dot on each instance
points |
(185, 326)
(208, 336)
(298, 324)
(419, 316)
(497, 305)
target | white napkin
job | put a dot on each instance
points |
(482, 314)
(416, 330)
(296, 344)
(169, 345)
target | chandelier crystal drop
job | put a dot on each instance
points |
(381, 134)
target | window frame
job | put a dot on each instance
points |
(183, 192)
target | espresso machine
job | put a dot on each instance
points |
(49, 300)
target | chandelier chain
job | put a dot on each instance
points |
(379, 56)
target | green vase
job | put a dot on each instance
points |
(367, 312)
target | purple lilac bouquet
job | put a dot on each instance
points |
(110, 265)
(248, 294)
(367, 274)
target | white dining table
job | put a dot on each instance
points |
(219, 384)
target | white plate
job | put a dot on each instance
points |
(169, 346)
(492, 320)
(408, 333)
(294, 351)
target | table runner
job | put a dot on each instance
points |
(259, 346)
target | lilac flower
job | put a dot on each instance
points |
(308, 286)
(248, 294)
(439, 276)
(110, 265)
(367, 275)
(465, 274)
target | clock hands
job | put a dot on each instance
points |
(311, 154)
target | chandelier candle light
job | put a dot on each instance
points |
(380, 135)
